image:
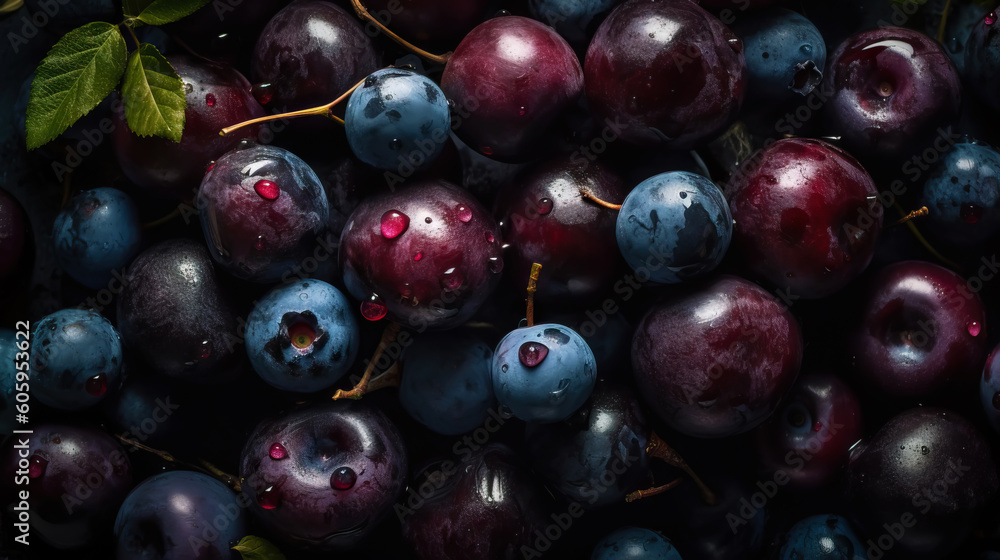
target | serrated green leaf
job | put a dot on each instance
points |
(256, 548)
(77, 74)
(160, 12)
(154, 95)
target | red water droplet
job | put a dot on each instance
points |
(259, 243)
(418, 256)
(817, 426)
(394, 223)
(496, 265)
(343, 478)
(974, 328)
(532, 353)
(489, 237)
(996, 400)
(263, 93)
(210, 100)
(544, 206)
(267, 189)
(971, 213)
(464, 213)
(522, 112)
(97, 385)
(211, 166)
(206, 349)
(990, 18)
(452, 280)
(36, 465)
(278, 452)
(487, 151)
(269, 498)
(374, 309)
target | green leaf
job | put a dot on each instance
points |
(154, 95)
(159, 12)
(256, 548)
(77, 74)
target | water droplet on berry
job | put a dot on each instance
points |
(464, 213)
(418, 256)
(452, 280)
(278, 452)
(489, 237)
(924, 450)
(971, 213)
(343, 479)
(684, 194)
(736, 44)
(206, 349)
(974, 328)
(487, 151)
(532, 353)
(504, 368)
(496, 265)
(395, 144)
(211, 166)
(544, 206)
(990, 18)
(394, 223)
(97, 385)
(269, 498)
(210, 100)
(259, 243)
(263, 93)
(817, 426)
(505, 411)
(428, 220)
(374, 309)
(188, 88)
(36, 465)
(267, 189)
(522, 112)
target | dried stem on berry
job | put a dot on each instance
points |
(362, 387)
(658, 449)
(593, 198)
(322, 110)
(363, 13)
(536, 269)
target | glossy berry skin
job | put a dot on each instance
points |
(573, 19)
(428, 20)
(715, 361)
(311, 52)
(807, 216)
(989, 389)
(61, 458)
(808, 438)
(509, 79)
(596, 456)
(76, 358)
(261, 209)
(302, 336)
(397, 117)
(217, 96)
(488, 506)
(446, 383)
(892, 89)
(179, 514)
(666, 73)
(675, 226)
(549, 385)
(785, 54)
(822, 537)
(635, 543)
(429, 254)
(963, 194)
(545, 220)
(173, 313)
(930, 464)
(301, 492)
(97, 232)
(982, 58)
(923, 331)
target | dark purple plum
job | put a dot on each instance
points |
(922, 331)
(430, 21)
(807, 216)
(322, 477)
(665, 73)
(714, 361)
(428, 255)
(509, 80)
(226, 31)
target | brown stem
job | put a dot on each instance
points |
(363, 13)
(206, 467)
(920, 212)
(640, 494)
(388, 378)
(361, 388)
(587, 195)
(658, 449)
(225, 477)
(322, 110)
(536, 269)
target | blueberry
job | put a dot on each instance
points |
(822, 537)
(784, 53)
(575, 20)
(302, 337)
(962, 193)
(675, 226)
(635, 543)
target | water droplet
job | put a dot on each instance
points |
(263, 93)
(396, 144)
(684, 194)
(188, 88)
(736, 44)
(506, 412)
(522, 112)
(504, 368)
(206, 349)
(544, 206)
(532, 353)
(36, 465)
(259, 243)
(971, 213)
(211, 166)
(817, 426)
(210, 100)
(990, 18)
(97, 385)
(278, 452)
(496, 265)
(269, 498)
(489, 237)
(452, 280)
(974, 328)
(418, 256)
(924, 450)
(996, 401)
(343, 479)
(428, 220)
(374, 309)
(487, 151)
(267, 189)
(464, 213)
(394, 223)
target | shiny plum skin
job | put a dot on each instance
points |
(261, 209)
(217, 96)
(822, 537)
(807, 216)
(811, 433)
(97, 232)
(294, 493)
(179, 514)
(963, 193)
(311, 52)
(428, 20)
(893, 88)
(545, 220)
(982, 57)
(488, 506)
(923, 331)
(933, 467)
(441, 263)
(714, 362)
(69, 460)
(509, 79)
(665, 73)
